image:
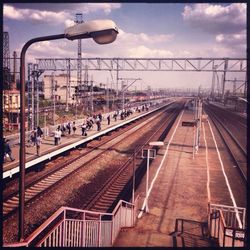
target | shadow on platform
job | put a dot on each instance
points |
(190, 233)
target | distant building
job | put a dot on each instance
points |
(11, 109)
(58, 83)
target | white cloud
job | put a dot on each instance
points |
(232, 39)
(216, 18)
(142, 51)
(34, 15)
(12, 13)
(94, 7)
(236, 43)
(51, 49)
(69, 23)
(42, 12)
(226, 23)
(131, 38)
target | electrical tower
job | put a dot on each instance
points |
(78, 19)
(6, 50)
(6, 62)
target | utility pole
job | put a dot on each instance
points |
(91, 86)
(78, 20)
(117, 77)
(123, 93)
(30, 98)
(224, 80)
(54, 98)
(107, 93)
(213, 83)
(15, 66)
(234, 86)
(67, 85)
(112, 90)
(33, 98)
(245, 86)
(86, 81)
(37, 93)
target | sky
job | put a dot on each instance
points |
(158, 30)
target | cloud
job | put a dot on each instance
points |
(68, 23)
(94, 7)
(70, 7)
(236, 43)
(53, 49)
(12, 13)
(142, 51)
(216, 18)
(131, 38)
(34, 15)
(232, 39)
(54, 14)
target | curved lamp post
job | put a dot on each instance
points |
(102, 32)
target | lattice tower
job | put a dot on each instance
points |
(6, 50)
(79, 19)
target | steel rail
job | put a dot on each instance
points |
(231, 116)
(115, 182)
(231, 135)
(47, 186)
(216, 121)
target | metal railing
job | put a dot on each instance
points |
(227, 224)
(70, 227)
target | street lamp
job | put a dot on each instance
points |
(103, 32)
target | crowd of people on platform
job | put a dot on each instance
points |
(35, 138)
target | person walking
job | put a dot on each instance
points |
(98, 123)
(74, 127)
(38, 144)
(108, 118)
(39, 131)
(69, 128)
(56, 136)
(100, 117)
(33, 138)
(84, 128)
(63, 129)
(115, 116)
(59, 135)
(7, 149)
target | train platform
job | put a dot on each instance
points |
(48, 145)
(181, 186)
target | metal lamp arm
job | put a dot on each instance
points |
(22, 128)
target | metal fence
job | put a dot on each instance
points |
(227, 224)
(70, 227)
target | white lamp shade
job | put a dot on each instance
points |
(102, 31)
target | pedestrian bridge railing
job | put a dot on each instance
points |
(227, 225)
(71, 227)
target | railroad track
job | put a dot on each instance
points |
(119, 185)
(236, 124)
(235, 148)
(43, 184)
